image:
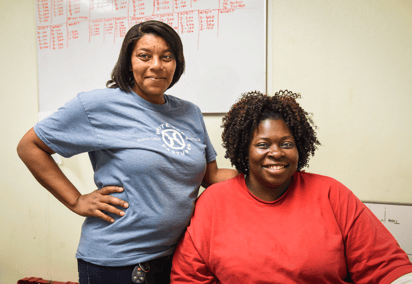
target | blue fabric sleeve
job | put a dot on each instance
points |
(68, 131)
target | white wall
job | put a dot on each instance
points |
(352, 63)
(350, 60)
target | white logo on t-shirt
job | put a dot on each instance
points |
(174, 140)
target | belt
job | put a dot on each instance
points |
(140, 271)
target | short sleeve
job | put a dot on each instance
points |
(372, 253)
(188, 266)
(68, 131)
(405, 279)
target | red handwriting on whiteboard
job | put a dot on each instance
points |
(72, 31)
(237, 4)
(181, 4)
(120, 27)
(43, 9)
(163, 6)
(186, 22)
(171, 19)
(137, 8)
(120, 4)
(109, 26)
(207, 20)
(96, 27)
(57, 37)
(73, 7)
(59, 21)
(100, 4)
(229, 5)
(43, 37)
(58, 8)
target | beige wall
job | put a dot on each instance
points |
(350, 60)
(352, 63)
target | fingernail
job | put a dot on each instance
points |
(121, 213)
(126, 205)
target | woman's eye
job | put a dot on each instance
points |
(143, 56)
(262, 145)
(168, 57)
(288, 145)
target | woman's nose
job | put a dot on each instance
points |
(275, 152)
(156, 63)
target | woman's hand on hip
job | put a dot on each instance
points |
(94, 203)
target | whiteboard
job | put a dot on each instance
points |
(78, 43)
(397, 218)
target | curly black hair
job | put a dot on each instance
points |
(252, 108)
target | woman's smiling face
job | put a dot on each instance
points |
(273, 159)
(153, 67)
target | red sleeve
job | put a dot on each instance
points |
(191, 256)
(372, 253)
(188, 266)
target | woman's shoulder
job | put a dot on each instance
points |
(330, 188)
(222, 190)
(317, 178)
(105, 99)
(101, 95)
(219, 195)
(181, 103)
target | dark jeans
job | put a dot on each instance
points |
(95, 274)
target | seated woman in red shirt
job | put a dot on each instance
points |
(275, 223)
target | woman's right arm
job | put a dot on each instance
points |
(192, 257)
(36, 155)
(188, 266)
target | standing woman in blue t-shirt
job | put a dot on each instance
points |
(149, 151)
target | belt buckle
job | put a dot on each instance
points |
(139, 272)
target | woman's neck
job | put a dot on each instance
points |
(267, 193)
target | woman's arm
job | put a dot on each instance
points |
(37, 157)
(214, 174)
(188, 266)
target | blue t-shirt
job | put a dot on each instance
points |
(157, 153)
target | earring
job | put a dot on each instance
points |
(245, 165)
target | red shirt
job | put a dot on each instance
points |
(317, 232)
